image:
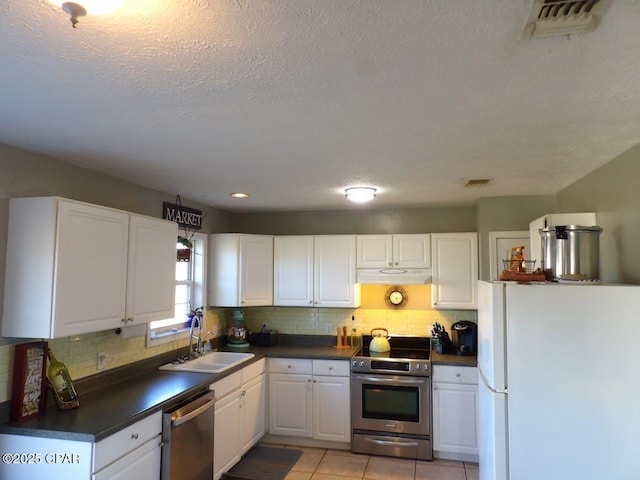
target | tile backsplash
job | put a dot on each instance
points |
(80, 353)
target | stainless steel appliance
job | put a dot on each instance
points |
(571, 253)
(187, 439)
(391, 399)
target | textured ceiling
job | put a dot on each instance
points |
(294, 100)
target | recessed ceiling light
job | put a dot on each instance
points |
(477, 182)
(360, 194)
(239, 195)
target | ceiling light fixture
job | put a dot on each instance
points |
(360, 194)
(84, 7)
(239, 195)
(477, 182)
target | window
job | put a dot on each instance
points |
(190, 294)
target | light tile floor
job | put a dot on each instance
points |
(327, 464)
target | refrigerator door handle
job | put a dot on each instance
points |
(494, 390)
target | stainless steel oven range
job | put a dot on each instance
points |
(391, 399)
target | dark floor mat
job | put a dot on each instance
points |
(264, 463)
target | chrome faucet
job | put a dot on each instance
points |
(197, 351)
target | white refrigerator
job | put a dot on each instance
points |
(559, 393)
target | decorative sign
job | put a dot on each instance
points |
(28, 394)
(188, 218)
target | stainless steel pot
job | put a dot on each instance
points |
(571, 253)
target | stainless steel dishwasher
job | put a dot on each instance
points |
(187, 439)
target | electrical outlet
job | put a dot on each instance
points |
(327, 329)
(102, 358)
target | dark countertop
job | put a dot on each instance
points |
(109, 409)
(114, 407)
(452, 359)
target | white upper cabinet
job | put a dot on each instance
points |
(69, 265)
(455, 270)
(151, 278)
(316, 271)
(334, 279)
(293, 270)
(240, 270)
(394, 251)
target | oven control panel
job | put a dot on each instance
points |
(414, 368)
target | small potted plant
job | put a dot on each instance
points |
(184, 254)
(195, 312)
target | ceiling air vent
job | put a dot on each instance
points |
(562, 17)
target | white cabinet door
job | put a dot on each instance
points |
(374, 251)
(240, 270)
(293, 270)
(455, 423)
(142, 463)
(252, 412)
(227, 431)
(394, 251)
(455, 270)
(90, 269)
(67, 261)
(256, 267)
(331, 409)
(412, 251)
(290, 404)
(335, 271)
(151, 269)
(455, 411)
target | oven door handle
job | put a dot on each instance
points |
(391, 380)
(387, 442)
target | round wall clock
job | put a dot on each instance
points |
(395, 297)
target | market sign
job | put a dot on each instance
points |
(188, 218)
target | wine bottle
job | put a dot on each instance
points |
(59, 377)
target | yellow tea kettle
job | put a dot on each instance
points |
(379, 342)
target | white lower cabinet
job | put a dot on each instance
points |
(143, 462)
(131, 453)
(455, 412)
(239, 415)
(310, 399)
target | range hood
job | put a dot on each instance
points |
(394, 276)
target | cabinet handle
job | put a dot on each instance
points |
(458, 374)
(134, 436)
(330, 368)
(435, 387)
(314, 381)
(310, 302)
(244, 393)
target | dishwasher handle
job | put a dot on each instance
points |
(192, 410)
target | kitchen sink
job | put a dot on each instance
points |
(213, 362)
